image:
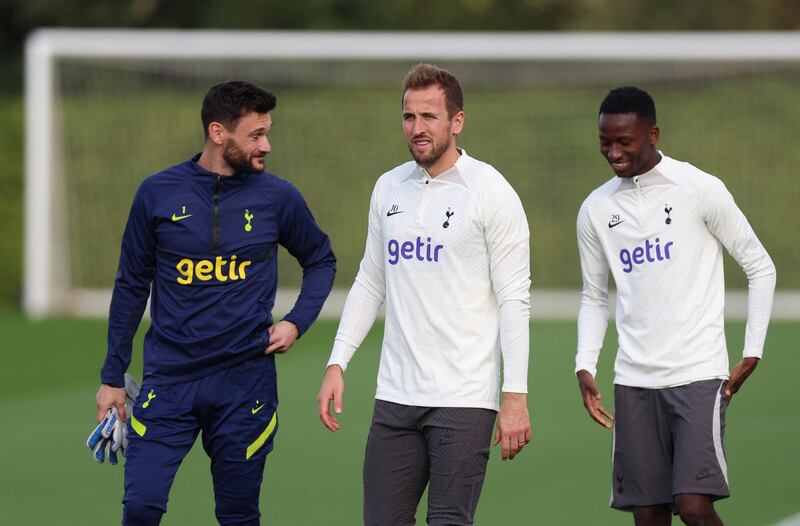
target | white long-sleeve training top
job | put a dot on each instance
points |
(450, 256)
(661, 234)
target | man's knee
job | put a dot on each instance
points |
(144, 503)
(237, 487)
(238, 511)
(380, 512)
(658, 515)
(696, 510)
(694, 515)
(139, 514)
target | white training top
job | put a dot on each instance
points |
(661, 233)
(450, 256)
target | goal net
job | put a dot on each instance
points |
(105, 109)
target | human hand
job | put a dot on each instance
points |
(332, 389)
(513, 425)
(282, 336)
(739, 374)
(591, 399)
(108, 398)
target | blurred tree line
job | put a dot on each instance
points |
(19, 17)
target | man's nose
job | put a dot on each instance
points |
(419, 127)
(264, 146)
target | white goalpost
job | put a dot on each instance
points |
(106, 108)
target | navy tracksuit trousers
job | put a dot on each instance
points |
(236, 410)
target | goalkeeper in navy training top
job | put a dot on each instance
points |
(205, 234)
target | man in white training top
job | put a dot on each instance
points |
(448, 253)
(660, 226)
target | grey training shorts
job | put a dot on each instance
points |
(668, 442)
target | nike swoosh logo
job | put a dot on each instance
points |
(390, 213)
(176, 217)
(701, 477)
(612, 225)
(257, 409)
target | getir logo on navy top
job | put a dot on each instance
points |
(419, 250)
(649, 253)
(207, 270)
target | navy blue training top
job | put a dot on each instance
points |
(208, 244)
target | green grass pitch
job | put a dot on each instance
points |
(49, 376)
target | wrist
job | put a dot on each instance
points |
(293, 325)
(515, 397)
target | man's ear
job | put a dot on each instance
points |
(458, 122)
(655, 134)
(217, 133)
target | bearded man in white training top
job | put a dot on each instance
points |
(448, 253)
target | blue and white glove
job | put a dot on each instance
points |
(111, 434)
(107, 438)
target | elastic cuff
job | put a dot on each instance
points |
(112, 380)
(753, 353)
(585, 367)
(300, 329)
(341, 354)
(334, 361)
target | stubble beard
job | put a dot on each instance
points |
(431, 158)
(239, 161)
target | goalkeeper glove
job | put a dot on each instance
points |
(108, 438)
(111, 434)
(131, 393)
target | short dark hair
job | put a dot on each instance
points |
(423, 75)
(630, 99)
(226, 103)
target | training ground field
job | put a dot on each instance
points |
(49, 376)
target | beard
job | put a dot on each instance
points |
(238, 160)
(431, 158)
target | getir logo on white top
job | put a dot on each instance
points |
(425, 251)
(649, 253)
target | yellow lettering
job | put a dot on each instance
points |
(203, 270)
(186, 269)
(232, 269)
(206, 270)
(218, 269)
(242, 266)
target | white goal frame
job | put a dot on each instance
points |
(46, 289)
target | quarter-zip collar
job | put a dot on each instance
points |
(652, 171)
(200, 171)
(649, 178)
(451, 175)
